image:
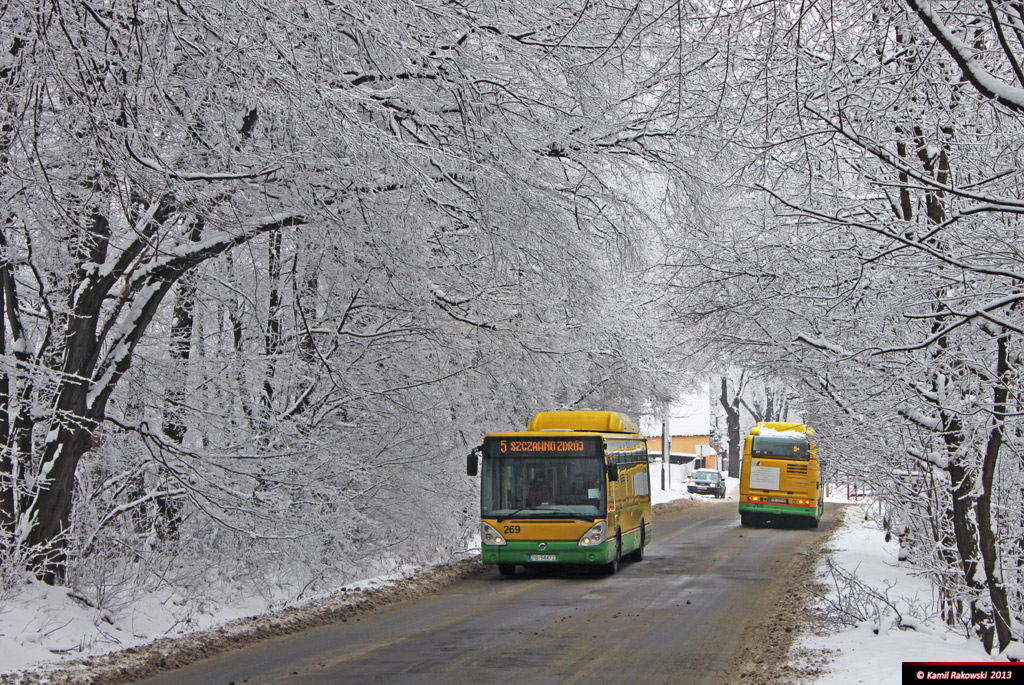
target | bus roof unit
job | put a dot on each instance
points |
(590, 421)
(782, 429)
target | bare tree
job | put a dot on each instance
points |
(433, 174)
(881, 268)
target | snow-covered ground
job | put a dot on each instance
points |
(42, 624)
(873, 651)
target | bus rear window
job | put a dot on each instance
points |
(788, 448)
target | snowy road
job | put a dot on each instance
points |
(678, 616)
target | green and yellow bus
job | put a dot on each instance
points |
(781, 476)
(574, 488)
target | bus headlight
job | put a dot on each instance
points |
(594, 536)
(489, 536)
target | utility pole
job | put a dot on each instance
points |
(666, 452)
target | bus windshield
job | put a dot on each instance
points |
(786, 448)
(542, 478)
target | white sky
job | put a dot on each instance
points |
(691, 415)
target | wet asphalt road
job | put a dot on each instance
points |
(676, 617)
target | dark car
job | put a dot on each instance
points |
(707, 482)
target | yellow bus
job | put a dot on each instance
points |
(574, 488)
(781, 476)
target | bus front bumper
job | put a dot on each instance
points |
(541, 553)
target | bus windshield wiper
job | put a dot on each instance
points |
(528, 509)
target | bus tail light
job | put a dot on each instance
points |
(753, 498)
(594, 536)
(489, 536)
(803, 502)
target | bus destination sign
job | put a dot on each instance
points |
(553, 446)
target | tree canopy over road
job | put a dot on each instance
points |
(269, 269)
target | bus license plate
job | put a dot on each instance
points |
(778, 500)
(542, 557)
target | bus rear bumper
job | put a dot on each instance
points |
(777, 509)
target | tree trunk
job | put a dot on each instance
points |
(167, 516)
(961, 516)
(79, 407)
(987, 539)
(732, 423)
(272, 339)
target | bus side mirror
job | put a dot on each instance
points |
(613, 471)
(471, 466)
